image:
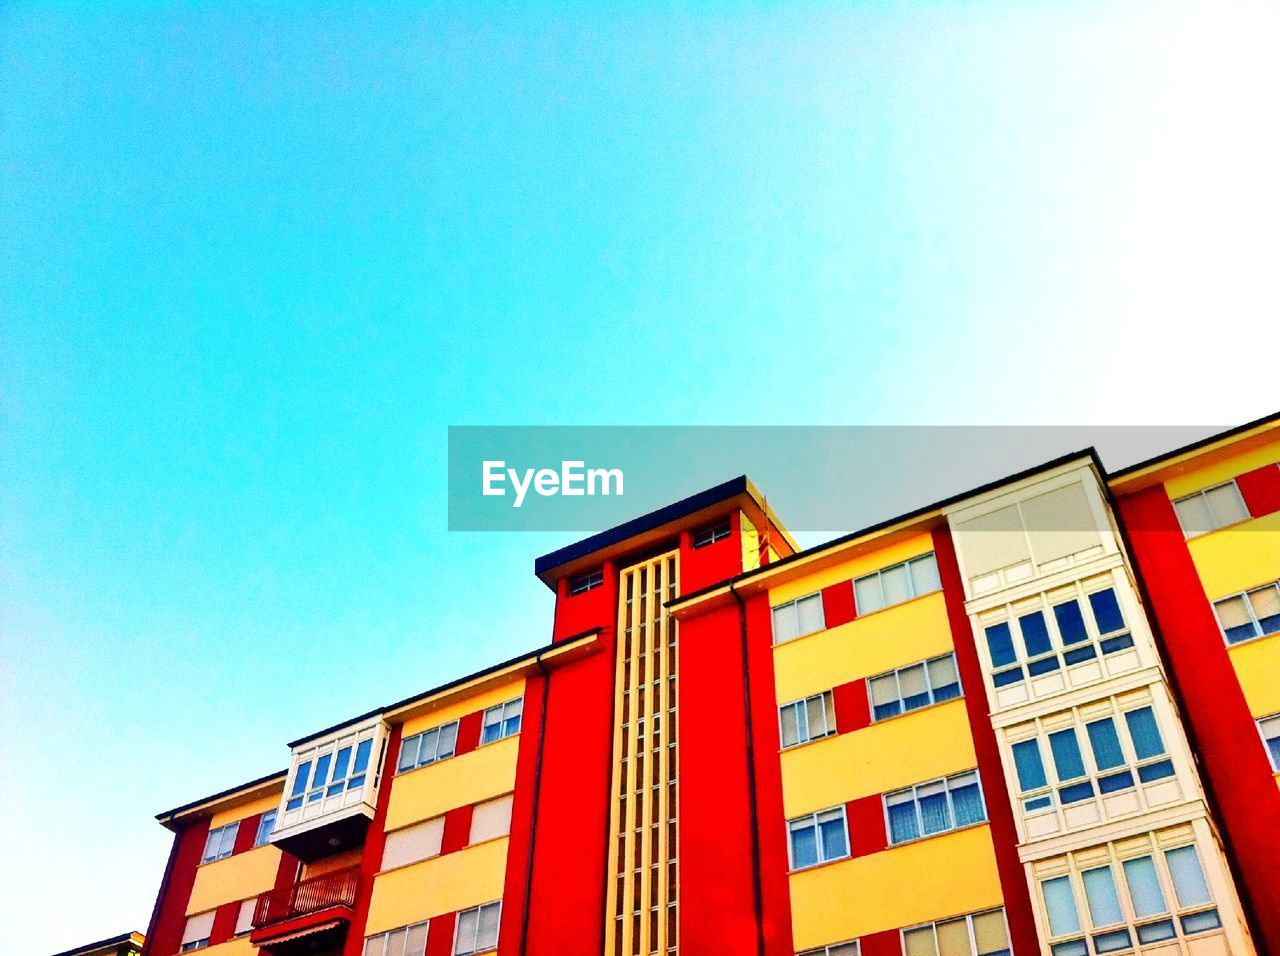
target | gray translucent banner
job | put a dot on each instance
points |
(827, 479)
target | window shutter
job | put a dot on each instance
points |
(418, 842)
(491, 820)
(199, 927)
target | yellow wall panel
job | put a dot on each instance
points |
(240, 811)
(442, 884)
(903, 634)
(894, 553)
(235, 878)
(1223, 466)
(460, 708)
(905, 750)
(1237, 558)
(1258, 668)
(931, 879)
(485, 772)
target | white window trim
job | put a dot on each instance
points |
(436, 759)
(928, 681)
(233, 828)
(848, 844)
(911, 583)
(1204, 493)
(352, 780)
(915, 800)
(773, 617)
(802, 708)
(968, 918)
(1130, 921)
(1243, 596)
(502, 720)
(457, 927)
(1275, 765)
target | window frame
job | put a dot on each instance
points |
(919, 815)
(503, 720)
(1204, 494)
(418, 763)
(232, 828)
(1243, 597)
(1133, 765)
(834, 949)
(355, 775)
(878, 575)
(968, 920)
(259, 837)
(1272, 756)
(586, 581)
(843, 810)
(715, 531)
(1046, 604)
(828, 715)
(476, 947)
(794, 604)
(386, 935)
(929, 688)
(1174, 914)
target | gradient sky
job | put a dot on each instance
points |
(253, 262)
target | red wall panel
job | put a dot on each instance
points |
(1004, 834)
(702, 567)
(457, 829)
(440, 934)
(853, 708)
(468, 733)
(886, 943)
(837, 604)
(511, 935)
(169, 918)
(1260, 489)
(246, 833)
(374, 841)
(224, 923)
(1235, 767)
(867, 832)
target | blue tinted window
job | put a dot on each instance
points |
(1060, 903)
(1026, 756)
(804, 846)
(1106, 611)
(1188, 878)
(1100, 892)
(1066, 754)
(1070, 622)
(1035, 633)
(1106, 743)
(902, 822)
(1000, 642)
(1144, 733)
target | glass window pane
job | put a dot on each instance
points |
(903, 825)
(1144, 887)
(966, 800)
(915, 692)
(884, 697)
(1226, 504)
(1106, 611)
(990, 933)
(321, 776)
(1266, 608)
(1193, 515)
(302, 777)
(924, 575)
(919, 942)
(1106, 743)
(935, 814)
(448, 740)
(786, 623)
(943, 679)
(811, 617)
(867, 595)
(835, 842)
(1026, 757)
(1066, 754)
(1000, 643)
(1188, 877)
(409, 753)
(1035, 633)
(804, 844)
(896, 584)
(1070, 622)
(340, 764)
(395, 942)
(466, 934)
(790, 725)
(1199, 922)
(487, 933)
(1233, 615)
(816, 715)
(1144, 732)
(1104, 902)
(415, 943)
(953, 938)
(1060, 904)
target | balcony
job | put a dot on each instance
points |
(331, 790)
(316, 910)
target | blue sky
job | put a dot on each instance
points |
(253, 262)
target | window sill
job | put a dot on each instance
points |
(1249, 640)
(855, 620)
(941, 833)
(909, 713)
(818, 866)
(808, 743)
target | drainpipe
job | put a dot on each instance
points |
(756, 890)
(537, 795)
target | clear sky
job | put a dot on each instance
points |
(253, 263)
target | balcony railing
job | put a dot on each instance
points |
(307, 896)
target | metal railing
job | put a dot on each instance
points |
(307, 896)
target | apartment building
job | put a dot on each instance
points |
(1039, 717)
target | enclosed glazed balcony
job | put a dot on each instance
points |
(310, 914)
(331, 790)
